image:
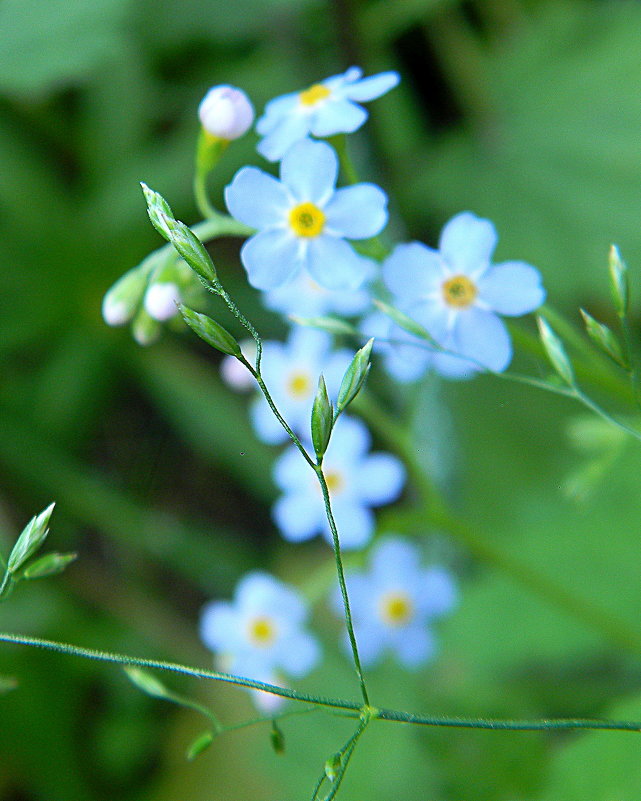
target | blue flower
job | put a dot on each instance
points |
(357, 481)
(393, 601)
(325, 109)
(261, 631)
(303, 220)
(456, 294)
(291, 372)
(303, 297)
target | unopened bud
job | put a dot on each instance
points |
(161, 300)
(226, 112)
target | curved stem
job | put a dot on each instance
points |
(341, 580)
(367, 713)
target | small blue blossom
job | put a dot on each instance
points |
(324, 109)
(393, 602)
(291, 371)
(261, 632)
(456, 294)
(303, 297)
(357, 481)
(303, 220)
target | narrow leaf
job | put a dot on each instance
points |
(619, 281)
(330, 324)
(200, 744)
(403, 321)
(322, 419)
(555, 352)
(354, 377)
(211, 332)
(604, 339)
(148, 683)
(49, 565)
(32, 537)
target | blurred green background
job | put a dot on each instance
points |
(527, 112)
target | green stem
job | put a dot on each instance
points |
(341, 580)
(6, 584)
(202, 196)
(345, 754)
(392, 715)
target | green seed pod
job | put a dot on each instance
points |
(322, 419)
(211, 332)
(354, 377)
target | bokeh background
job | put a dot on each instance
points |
(524, 111)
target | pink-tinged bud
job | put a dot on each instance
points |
(226, 112)
(161, 301)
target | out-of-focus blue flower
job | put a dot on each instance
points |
(303, 220)
(261, 631)
(456, 294)
(304, 297)
(291, 371)
(393, 601)
(357, 481)
(324, 109)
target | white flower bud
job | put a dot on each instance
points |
(234, 373)
(116, 312)
(161, 299)
(226, 112)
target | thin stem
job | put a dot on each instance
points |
(341, 580)
(392, 715)
(6, 583)
(344, 755)
(590, 404)
(633, 369)
(202, 196)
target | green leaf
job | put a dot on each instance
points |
(32, 537)
(148, 683)
(354, 377)
(604, 339)
(322, 419)
(49, 565)
(330, 324)
(211, 332)
(200, 744)
(619, 281)
(403, 321)
(555, 351)
(277, 738)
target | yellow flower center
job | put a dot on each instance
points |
(459, 291)
(314, 94)
(261, 631)
(396, 608)
(334, 481)
(307, 220)
(299, 385)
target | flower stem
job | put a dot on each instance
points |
(341, 580)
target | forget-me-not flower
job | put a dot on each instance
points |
(261, 631)
(393, 601)
(357, 481)
(324, 109)
(303, 220)
(304, 297)
(456, 294)
(291, 371)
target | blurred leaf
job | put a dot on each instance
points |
(53, 42)
(7, 683)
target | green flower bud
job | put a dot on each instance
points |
(32, 537)
(211, 332)
(322, 419)
(604, 339)
(354, 377)
(556, 352)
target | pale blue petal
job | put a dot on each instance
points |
(219, 628)
(350, 441)
(337, 116)
(433, 315)
(415, 647)
(287, 472)
(357, 212)
(350, 75)
(270, 258)
(407, 370)
(252, 664)
(454, 367)
(372, 87)
(259, 593)
(333, 264)
(412, 271)
(467, 243)
(265, 425)
(483, 337)
(309, 170)
(394, 559)
(436, 594)
(370, 643)
(257, 199)
(512, 288)
(308, 345)
(355, 525)
(334, 370)
(379, 479)
(298, 516)
(289, 130)
(299, 654)
(359, 589)
(274, 112)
